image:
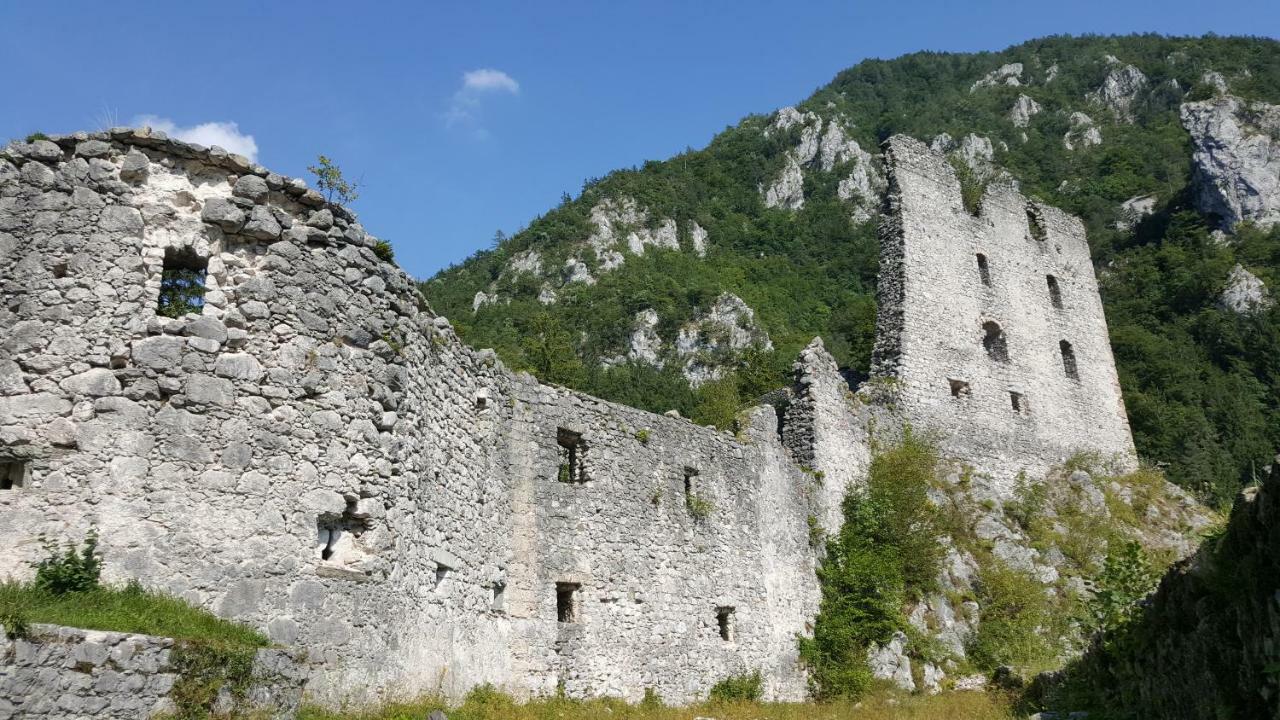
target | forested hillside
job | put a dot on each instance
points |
(692, 283)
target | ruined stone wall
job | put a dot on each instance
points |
(59, 672)
(940, 312)
(315, 454)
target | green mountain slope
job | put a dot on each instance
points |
(716, 266)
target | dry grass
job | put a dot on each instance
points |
(496, 706)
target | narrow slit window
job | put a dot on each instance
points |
(690, 492)
(13, 475)
(994, 342)
(724, 622)
(1034, 226)
(572, 451)
(442, 574)
(984, 270)
(1019, 402)
(181, 283)
(1069, 360)
(567, 601)
(499, 597)
(1055, 292)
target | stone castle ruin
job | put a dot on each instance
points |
(316, 454)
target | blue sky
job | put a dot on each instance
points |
(463, 118)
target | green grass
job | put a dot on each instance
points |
(485, 703)
(129, 609)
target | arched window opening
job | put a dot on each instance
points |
(994, 342)
(984, 270)
(1055, 292)
(1069, 360)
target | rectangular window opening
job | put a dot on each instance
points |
(181, 283)
(1034, 226)
(724, 621)
(331, 529)
(1019, 402)
(572, 452)
(984, 270)
(1055, 292)
(959, 388)
(13, 475)
(567, 601)
(499, 597)
(442, 574)
(689, 489)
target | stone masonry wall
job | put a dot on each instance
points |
(317, 455)
(936, 302)
(59, 672)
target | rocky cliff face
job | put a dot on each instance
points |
(1207, 642)
(1237, 159)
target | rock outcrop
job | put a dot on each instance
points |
(1236, 159)
(823, 145)
(1120, 90)
(1024, 108)
(728, 326)
(1083, 133)
(1245, 293)
(1010, 74)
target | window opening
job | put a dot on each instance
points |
(1033, 224)
(1019, 402)
(724, 621)
(984, 271)
(331, 530)
(567, 601)
(1055, 292)
(1068, 360)
(959, 388)
(13, 475)
(994, 342)
(572, 450)
(181, 283)
(499, 596)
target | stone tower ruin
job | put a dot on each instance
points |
(990, 330)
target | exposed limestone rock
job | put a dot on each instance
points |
(890, 662)
(1236, 159)
(1051, 73)
(729, 325)
(645, 343)
(976, 152)
(1083, 132)
(1119, 91)
(1023, 110)
(1133, 210)
(577, 271)
(1245, 292)
(698, 238)
(942, 143)
(787, 191)
(547, 294)
(824, 150)
(481, 299)
(1215, 80)
(527, 261)
(1010, 74)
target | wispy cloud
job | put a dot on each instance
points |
(465, 104)
(225, 135)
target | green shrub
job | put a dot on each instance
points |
(1017, 624)
(15, 622)
(36, 136)
(886, 553)
(1126, 579)
(384, 251)
(484, 701)
(738, 688)
(699, 507)
(68, 570)
(651, 699)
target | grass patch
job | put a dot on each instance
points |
(485, 703)
(129, 609)
(1020, 624)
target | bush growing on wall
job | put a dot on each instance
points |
(886, 554)
(67, 569)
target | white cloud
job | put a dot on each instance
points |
(464, 105)
(489, 79)
(225, 135)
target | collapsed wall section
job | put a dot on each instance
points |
(991, 332)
